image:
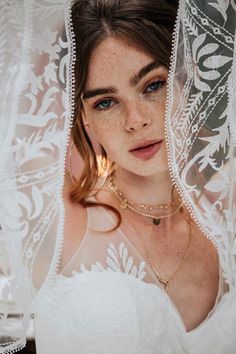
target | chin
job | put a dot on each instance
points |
(147, 171)
(144, 168)
(153, 173)
(151, 168)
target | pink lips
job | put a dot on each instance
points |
(147, 149)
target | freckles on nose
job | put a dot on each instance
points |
(137, 111)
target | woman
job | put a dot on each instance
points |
(136, 273)
(123, 104)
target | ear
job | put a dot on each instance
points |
(84, 118)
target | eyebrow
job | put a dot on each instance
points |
(144, 71)
(99, 91)
(133, 81)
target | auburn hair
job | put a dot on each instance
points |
(149, 24)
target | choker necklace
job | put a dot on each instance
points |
(126, 204)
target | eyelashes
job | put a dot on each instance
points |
(104, 104)
(154, 86)
(107, 103)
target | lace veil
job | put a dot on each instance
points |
(37, 56)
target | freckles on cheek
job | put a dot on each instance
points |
(157, 109)
(103, 133)
(160, 99)
(106, 126)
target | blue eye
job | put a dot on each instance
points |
(154, 86)
(105, 104)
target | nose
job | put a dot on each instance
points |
(137, 118)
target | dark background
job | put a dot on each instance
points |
(30, 348)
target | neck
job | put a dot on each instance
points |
(149, 190)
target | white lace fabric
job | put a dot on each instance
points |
(35, 117)
(115, 304)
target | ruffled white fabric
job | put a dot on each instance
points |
(104, 312)
(106, 301)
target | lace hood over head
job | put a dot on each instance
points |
(37, 86)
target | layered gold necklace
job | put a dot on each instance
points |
(125, 203)
(156, 220)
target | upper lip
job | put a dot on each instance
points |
(145, 143)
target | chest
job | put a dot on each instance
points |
(188, 262)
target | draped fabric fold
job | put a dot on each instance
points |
(36, 111)
(200, 120)
(35, 117)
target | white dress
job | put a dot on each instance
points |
(108, 307)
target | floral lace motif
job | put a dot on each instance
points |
(199, 128)
(37, 86)
(118, 260)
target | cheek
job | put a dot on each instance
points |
(105, 126)
(159, 100)
(110, 139)
(105, 134)
(155, 104)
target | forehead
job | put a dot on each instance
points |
(115, 58)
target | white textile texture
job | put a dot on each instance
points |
(37, 57)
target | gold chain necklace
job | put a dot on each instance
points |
(142, 206)
(163, 282)
(126, 204)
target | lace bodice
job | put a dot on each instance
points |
(109, 307)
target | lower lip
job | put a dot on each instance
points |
(147, 152)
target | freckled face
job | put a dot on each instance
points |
(124, 104)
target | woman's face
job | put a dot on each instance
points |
(124, 105)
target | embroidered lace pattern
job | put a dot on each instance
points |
(113, 301)
(38, 86)
(199, 127)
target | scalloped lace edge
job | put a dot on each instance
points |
(14, 347)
